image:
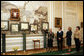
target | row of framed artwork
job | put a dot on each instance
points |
(22, 26)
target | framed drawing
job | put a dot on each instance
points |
(15, 14)
(58, 22)
(4, 25)
(14, 28)
(24, 26)
(81, 24)
(45, 25)
(34, 28)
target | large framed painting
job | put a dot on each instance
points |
(34, 28)
(58, 22)
(15, 15)
(45, 25)
(14, 28)
(24, 26)
(4, 25)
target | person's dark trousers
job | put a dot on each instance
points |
(3, 43)
(77, 44)
(60, 45)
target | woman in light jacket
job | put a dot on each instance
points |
(77, 38)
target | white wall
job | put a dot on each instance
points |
(71, 13)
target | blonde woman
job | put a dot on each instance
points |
(68, 38)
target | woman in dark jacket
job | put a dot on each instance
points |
(50, 40)
(68, 37)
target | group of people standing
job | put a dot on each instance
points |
(60, 38)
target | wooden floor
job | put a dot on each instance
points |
(28, 52)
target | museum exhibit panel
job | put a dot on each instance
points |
(25, 24)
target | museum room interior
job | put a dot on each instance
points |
(32, 27)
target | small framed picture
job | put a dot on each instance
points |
(24, 26)
(45, 25)
(4, 25)
(33, 27)
(14, 28)
(15, 15)
(58, 22)
(81, 24)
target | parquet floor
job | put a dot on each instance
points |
(28, 52)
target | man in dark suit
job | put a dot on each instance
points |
(60, 39)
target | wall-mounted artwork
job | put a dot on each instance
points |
(41, 16)
(4, 25)
(24, 26)
(35, 15)
(14, 28)
(81, 24)
(15, 15)
(34, 28)
(45, 25)
(58, 22)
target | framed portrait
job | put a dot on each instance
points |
(15, 14)
(45, 25)
(58, 22)
(33, 27)
(81, 24)
(4, 25)
(24, 26)
(14, 28)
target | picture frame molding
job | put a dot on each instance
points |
(11, 16)
(42, 25)
(11, 27)
(8, 24)
(58, 26)
(25, 29)
(35, 30)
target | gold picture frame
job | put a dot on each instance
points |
(58, 22)
(15, 15)
(81, 24)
